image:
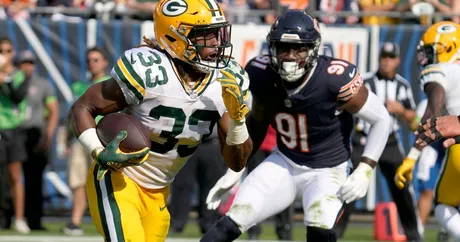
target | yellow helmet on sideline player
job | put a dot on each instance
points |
(440, 44)
(177, 21)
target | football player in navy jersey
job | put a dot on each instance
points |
(309, 99)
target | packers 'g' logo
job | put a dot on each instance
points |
(446, 28)
(174, 8)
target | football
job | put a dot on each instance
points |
(110, 125)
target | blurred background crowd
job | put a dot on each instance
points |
(244, 11)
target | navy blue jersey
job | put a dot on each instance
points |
(310, 130)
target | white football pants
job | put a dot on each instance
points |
(278, 181)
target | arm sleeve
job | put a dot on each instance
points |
(360, 125)
(377, 116)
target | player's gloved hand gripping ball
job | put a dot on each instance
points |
(111, 157)
(233, 96)
(120, 149)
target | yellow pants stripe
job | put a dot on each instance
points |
(123, 211)
(109, 211)
(441, 173)
(447, 192)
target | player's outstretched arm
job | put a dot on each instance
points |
(436, 96)
(233, 134)
(100, 99)
(236, 145)
(366, 106)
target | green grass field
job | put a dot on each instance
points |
(355, 232)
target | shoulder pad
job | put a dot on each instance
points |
(260, 62)
(344, 79)
(432, 69)
(136, 71)
(261, 75)
(433, 73)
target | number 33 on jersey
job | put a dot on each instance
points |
(177, 115)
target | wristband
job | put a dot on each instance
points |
(237, 132)
(414, 154)
(90, 140)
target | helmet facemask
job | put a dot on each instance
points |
(427, 54)
(212, 41)
(433, 53)
(292, 60)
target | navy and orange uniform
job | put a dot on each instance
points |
(310, 129)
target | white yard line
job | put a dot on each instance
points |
(25, 238)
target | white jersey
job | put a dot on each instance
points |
(177, 116)
(447, 75)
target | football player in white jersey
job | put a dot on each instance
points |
(179, 87)
(438, 54)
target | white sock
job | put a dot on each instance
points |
(449, 218)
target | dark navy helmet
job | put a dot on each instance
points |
(294, 41)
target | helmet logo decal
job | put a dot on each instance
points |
(315, 24)
(174, 8)
(446, 28)
(290, 36)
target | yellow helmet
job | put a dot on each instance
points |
(440, 44)
(176, 21)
